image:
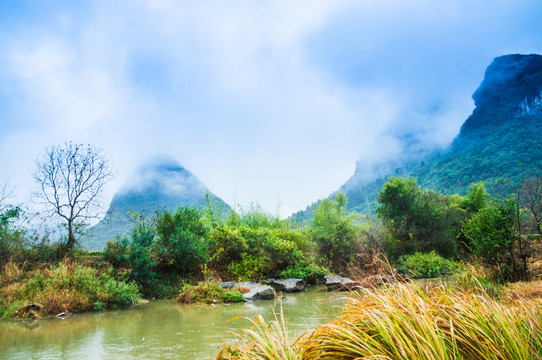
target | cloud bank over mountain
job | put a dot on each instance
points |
(268, 101)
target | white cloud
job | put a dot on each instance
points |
(263, 101)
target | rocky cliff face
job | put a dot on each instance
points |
(510, 83)
(161, 183)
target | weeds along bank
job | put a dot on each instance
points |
(404, 321)
(65, 287)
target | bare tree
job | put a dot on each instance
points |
(71, 178)
(5, 194)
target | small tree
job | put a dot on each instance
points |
(71, 178)
(335, 232)
(181, 243)
(492, 233)
(418, 220)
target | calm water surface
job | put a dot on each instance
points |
(158, 330)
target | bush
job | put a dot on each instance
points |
(492, 233)
(255, 245)
(416, 219)
(335, 232)
(311, 273)
(209, 292)
(182, 240)
(430, 265)
(12, 237)
(68, 287)
(116, 252)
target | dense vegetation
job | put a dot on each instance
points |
(421, 231)
(190, 244)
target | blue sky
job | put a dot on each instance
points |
(264, 101)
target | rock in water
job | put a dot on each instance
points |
(287, 285)
(339, 283)
(257, 291)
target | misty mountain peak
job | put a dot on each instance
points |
(510, 79)
(159, 183)
(163, 174)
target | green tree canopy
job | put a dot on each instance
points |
(418, 220)
(335, 232)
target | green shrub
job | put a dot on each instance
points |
(181, 245)
(429, 265)
(13, 239)
(116, 252)
(335, 232)
(311, 273)
(492, 233)
(209, 292)
(70, 287)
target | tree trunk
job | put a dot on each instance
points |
(71, 237)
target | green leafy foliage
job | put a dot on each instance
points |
(12, 237)
(116, 252)
(181, 243)
(492, 234)
(311, 273)
(335, 232)
(417, 219)
(253, 245)
(428, 265)
(209, 292)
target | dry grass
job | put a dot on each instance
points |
(65, 287)
(529, 290)
(405, 321)
(265, 341)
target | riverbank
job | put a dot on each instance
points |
(37, 290)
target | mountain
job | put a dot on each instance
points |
(161, 183)
(502, 138)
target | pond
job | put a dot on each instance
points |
(158, 330)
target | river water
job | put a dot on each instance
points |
(158, 330)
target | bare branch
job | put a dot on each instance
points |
(71, 178)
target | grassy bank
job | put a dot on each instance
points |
(65, 287)
(405, 321)
(209, 292)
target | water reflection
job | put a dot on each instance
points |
(160, 329)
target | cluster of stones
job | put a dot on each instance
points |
(268, 290)
(254, 291)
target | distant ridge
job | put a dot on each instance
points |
(160, 183)
(500, 139)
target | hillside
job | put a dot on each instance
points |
(500, 139)
(161, 183)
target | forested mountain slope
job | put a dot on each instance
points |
(501, 139)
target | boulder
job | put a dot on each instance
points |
(339, 283)
(227, 284)
(287, 285)
(253, 291)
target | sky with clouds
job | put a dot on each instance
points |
(264, 101)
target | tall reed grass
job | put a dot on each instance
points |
(406, 321)
(265, 341)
